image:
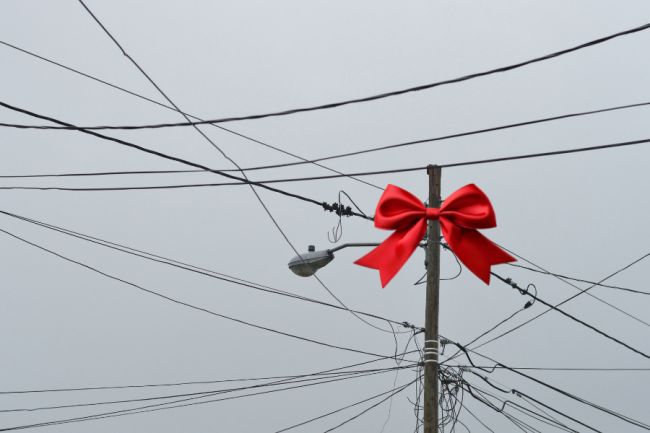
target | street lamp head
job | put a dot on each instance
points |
(306, 264)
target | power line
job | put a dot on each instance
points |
(381, 95)
(544, 418)
(264, 183)
(392, 390)
(515, 286)
(185, 304)
(176, 159)
(342, 155)
(368, 409)
(503, 334)
(192, 268)
(602, 301)
(189, 383)
(549, 386)
(185, 402)
(572, 369)
(580, 280)
(290, 380)
(169, 107)
(257, 196)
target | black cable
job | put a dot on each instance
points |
(245, 177)
(515, 286)
(547, 385)
(173, 158)
(520, 394)
(387, 94)
(185, 304)
(531, 413)
(368, 409)
(291, 427)
(165, 406)
(195, 269)
(289, 379)
(580, 280)
(477, 418)
(602, 301)
(503, 334)
(575, 369)
(264, 183)
(342, 155)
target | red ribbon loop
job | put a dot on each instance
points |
(464, 211)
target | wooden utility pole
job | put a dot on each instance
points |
(431, 345)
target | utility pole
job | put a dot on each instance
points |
(431, 345)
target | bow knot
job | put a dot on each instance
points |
(464, 211)
(433, 213)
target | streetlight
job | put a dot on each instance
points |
(306, 264)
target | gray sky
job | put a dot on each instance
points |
(583, 215)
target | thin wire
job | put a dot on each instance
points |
(340, 409)
(547, 385)
(586, 369)
(192, 268)
(515, 286)
(391, 93)
(174, 107)
(602, 301)
(290, 380)
(580, 280)
(294, 379)
(368, 409)
(561, 303)
(169, 157)
(174, 384)
(185, 304)
(342, 155)
(163, 406)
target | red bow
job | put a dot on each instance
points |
(465, 211)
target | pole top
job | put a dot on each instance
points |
(432, 167)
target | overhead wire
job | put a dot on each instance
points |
(265, 182)
(174, 158)
(342, 155)
(192, 268)
(385, 94)
(191, 383)
(357, 403)
(185, 304)
(515, 286)
(519, 326)
(170, 107)
(601, 408)
(580, 280)
(180, 403)
(287, 380)
(591, 295)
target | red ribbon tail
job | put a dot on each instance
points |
(478, 253)
(389, 257)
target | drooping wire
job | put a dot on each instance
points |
(192, 268)
(286, 380)
(580, 280)
(391, 93)
(585, 291)
(245, 177)
(340, 210)
(466, 351)
(180, 403)
(185, 304)
(618, 271)
(515, 286)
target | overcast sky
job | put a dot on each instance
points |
(583, 215)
